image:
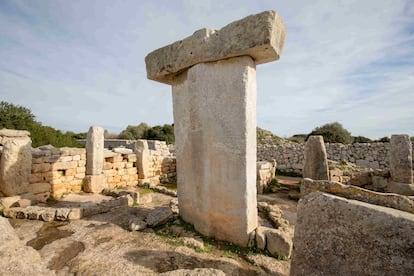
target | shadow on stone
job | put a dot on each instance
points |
(164, 261)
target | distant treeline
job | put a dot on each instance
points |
(19, 117)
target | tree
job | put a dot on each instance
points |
(18, 117)
(361, 139)
(163, 133)
(333, 133)
(134, 132)
(15, 117)
(384, 139)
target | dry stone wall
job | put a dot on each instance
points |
(289, 157)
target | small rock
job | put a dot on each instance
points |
(261, 237)
(48, 214)
(9, 201)
(174, 205)
(279, 243)
(137, 224)
(62, 214)
(23, 203)
(159, 216)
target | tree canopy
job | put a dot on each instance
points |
(21, 118)
(144, 131)
(333, 133)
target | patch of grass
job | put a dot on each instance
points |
(120, 187)
(274, 184)
(51, 201)
(170, 186)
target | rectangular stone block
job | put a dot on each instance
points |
(39, 188)
(215, 129)
(94, 150)
(338, 236)
(260, 36)
(95, 183)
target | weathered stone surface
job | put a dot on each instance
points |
(136, 224)
(194, 272)
(159, 216)
(62, 214)
(338, 236)
(95, 150)
(95, 183)
(265, 173)
(261, 237)
(400, 188)
(7, 202)
(315, 165)
(142, 151)
(401, 162)
(395, 201)
(14, 133)
(215, 129)
(260, 36)
(279, 243)
(15, 166)
(15, 257)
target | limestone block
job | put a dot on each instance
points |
(94, 183)
(39, 187)
(401, 162)
(338, 236)
(15, 166)
(279, 243)
(215, 129)
(260, 36)
(395, 201)
(261, 237)
(143, 158)
(315, 165)
(94, 150)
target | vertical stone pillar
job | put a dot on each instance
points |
(142, 152)
(95, 181)
(15, 161)
(213, 78)
(315, 164)
(401, 165)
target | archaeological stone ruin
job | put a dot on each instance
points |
(213, 78)
(356, 209)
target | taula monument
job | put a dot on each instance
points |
(213, 79)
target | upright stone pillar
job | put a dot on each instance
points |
(95, 181)
(315, 165)
(401, 165)
(15, 161)
(213, 78)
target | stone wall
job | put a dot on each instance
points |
(289, 157)
(156, 162)
(120, 170)
(56, 171)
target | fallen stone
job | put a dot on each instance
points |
(338, 236)
(261, 237)
(136, 224)
(279, 243)
(260, 36)
(9, 201)
(159, 216)
(395, 201)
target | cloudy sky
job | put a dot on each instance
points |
(81, 63)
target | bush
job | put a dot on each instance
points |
(333, 133)
(361, 139)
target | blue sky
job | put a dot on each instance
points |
(81, 63)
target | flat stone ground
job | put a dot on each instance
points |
(102, 245)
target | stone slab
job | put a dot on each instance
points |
(215, 128)
(315, 164)
(338, 236)
(401, 159)
(95, 150)
(260, 36)
(396, 201)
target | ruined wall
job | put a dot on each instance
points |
(289, 157)
(156, 162)
(56, 171)
(120, 170)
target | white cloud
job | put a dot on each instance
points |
(80, 63)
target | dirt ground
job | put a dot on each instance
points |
(103, 245)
